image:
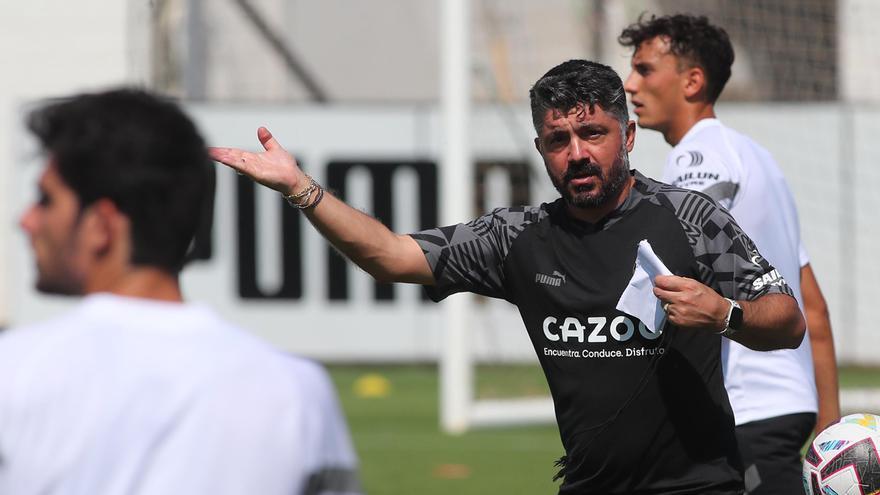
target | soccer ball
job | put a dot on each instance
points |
(843, 459)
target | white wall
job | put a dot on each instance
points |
(859, 39)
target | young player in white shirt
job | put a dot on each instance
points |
(679, 67)
(135, 391)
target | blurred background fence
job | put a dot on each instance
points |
(352, 89)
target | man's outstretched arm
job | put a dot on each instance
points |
(822, 344)
(387, 256)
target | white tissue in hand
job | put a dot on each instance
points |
(638, 298)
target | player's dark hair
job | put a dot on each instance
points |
(139, 151)
(578, 82)
(693, 40)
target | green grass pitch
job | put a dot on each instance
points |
(403, 452)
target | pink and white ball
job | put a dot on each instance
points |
(843, 459)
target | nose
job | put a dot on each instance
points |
(28, 220)
(578, 150)
(631, 83)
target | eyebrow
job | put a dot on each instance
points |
(556, 131)
(593, 126)
(590, 126)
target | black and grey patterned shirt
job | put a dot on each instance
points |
(638, 411)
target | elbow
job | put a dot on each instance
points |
(792, 324)
(797, 329)
(392, 261)
(790, 328)
(787, 336)
(785, 330)
(380, 271)
(387, 272)
(383, 276)
(379, 265)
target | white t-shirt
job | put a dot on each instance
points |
(132, 396)
(745, 179)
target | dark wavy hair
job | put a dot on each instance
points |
(139, 151)
(578, 82)
(693, 40)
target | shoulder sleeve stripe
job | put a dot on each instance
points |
(695, 209)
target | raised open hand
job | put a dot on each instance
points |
(274, 168)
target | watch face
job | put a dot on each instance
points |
(736, 317)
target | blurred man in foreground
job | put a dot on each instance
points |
(640, 410)
(135, 391)
(680, 65)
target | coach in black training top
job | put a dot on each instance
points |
(638, 411)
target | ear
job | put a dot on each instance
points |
(538, 145)
(694, 82)
(630, 135)
(102, 226)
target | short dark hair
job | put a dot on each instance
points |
(139, 151)
(692, 39)
(578, 82)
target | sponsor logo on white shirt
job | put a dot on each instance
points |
(697, 176)
(689, 159)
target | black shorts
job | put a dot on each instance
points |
(771, 451)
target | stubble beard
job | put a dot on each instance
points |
(58, 285)
(587, 198)
(57, 275)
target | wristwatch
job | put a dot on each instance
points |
(734, 319)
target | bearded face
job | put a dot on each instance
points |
(586, 153)
(587, 185)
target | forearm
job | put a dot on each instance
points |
(822, 344)
(772, 321)
(825, 369)
(383, 254)
(387, 256)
